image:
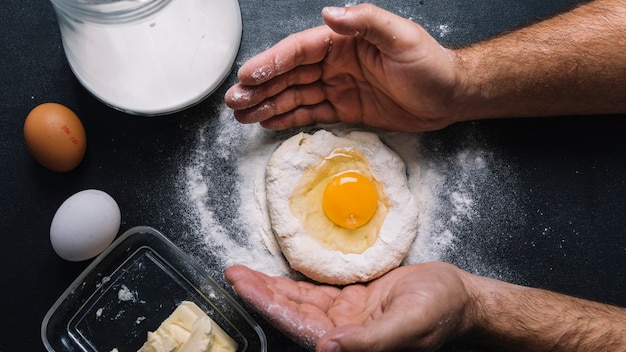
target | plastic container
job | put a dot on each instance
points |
(130, 289)
(150, 57)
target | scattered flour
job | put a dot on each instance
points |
(238, 232)
(444, 30)
(231, 226)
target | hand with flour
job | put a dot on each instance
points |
(417, 306)
(360, 69)
(420, 307)
(369, 66)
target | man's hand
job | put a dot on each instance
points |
(416, 306)
(366, 66)
(422, 306)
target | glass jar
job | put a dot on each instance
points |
(150, 57)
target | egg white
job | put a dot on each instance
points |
(305, 253)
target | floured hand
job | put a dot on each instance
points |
(415, 306)
(366, 66)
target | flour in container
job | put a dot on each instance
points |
(156, 64)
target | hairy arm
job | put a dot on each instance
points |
(419, 307)
(528, 319)
(369, 66)
(573, 63)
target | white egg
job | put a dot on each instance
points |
(85, 225)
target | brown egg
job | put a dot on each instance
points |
(55, 137)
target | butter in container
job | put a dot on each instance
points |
(131, 289)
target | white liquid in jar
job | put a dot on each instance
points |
(160, 64)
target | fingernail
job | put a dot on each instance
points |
(332, 347)
(335, 11)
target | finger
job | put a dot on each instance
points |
(302, 48)
(238, 272)
(302, 116)
(264, 293)
(276, 299)
(240, 96)
(377, 26)
(260, 289)
(282, 103)
(251, 286)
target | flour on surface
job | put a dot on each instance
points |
(228, 221)
(457, 191)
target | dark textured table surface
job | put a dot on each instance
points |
(547, 196)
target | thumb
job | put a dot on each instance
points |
(381, 28)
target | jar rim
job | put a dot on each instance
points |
(109, 11)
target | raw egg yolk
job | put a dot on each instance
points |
(340, 203)
(350, 200)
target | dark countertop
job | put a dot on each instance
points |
(547, 208)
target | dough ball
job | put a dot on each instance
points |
(340, 206)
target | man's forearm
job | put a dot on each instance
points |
(573, 63)
(528, 319)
